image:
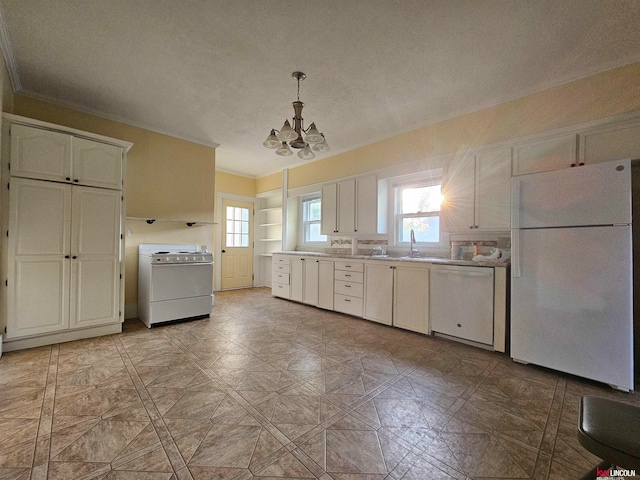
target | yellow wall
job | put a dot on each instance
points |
(166, 178)
(268, 183)
(606, 94)
(236, 184)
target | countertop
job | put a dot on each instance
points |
(433, 260)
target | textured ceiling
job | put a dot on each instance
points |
(219, 72)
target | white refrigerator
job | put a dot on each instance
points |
(571, 285)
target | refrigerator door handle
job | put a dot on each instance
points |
(515, 253)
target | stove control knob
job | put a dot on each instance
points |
(166, 259)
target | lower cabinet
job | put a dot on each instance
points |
(348, 287)
(411, 298)
(325, 284)
(280, 276)
(464, 302)
(397, 295)
(304, 280)
(378, 296)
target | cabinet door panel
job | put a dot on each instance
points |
(378, 293)
(325, 284)
(95, 273)
(37, 153)
(612, 144)
(40, 218)
(367, 204)
(411, 299)
(38, 295)
(493, 182)
(347, 206)
(544, 155)
(458, 189)
(310, 292)
(329, 209)
(97, 164)
(94, 291)
(297, 278)
(96, 221)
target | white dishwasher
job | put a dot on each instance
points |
(461, 302)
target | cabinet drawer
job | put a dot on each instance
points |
(350, 266)
(282, 278)
(281, 259)
(280, 268)
(357, 277)
(280, 290)
(346, 304)
(349, 288)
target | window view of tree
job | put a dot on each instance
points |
(419, 209)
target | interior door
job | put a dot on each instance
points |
(237, 244)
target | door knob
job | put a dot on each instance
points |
(224, 251)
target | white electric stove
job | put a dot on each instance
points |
(175, 282)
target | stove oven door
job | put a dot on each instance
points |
(176, 280)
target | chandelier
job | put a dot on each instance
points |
(313, 140)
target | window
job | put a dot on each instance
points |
(418, 208)
(311, 215)
(237, 227)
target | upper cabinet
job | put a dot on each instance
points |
(546, 154)
(600, 144)
(612, 143)
(476, 191)
(351, 206)
(62, 157)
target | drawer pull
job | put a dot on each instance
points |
(347, 286)
(347, 300)
(347, 275)
(459, 326)
(347, 266)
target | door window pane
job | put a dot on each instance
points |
(237, 227)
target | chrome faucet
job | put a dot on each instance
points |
(413, 252)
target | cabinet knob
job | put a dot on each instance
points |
(573, 164)
(459, 325)
(68, 179)
(581, 164)
(67, 256)
(470, 226)
(76, 180)
(74, 257)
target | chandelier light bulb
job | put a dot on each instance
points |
(321, 147)
(284, 150)
(313, 136)
(306, 153)
(272, 141)
(287, 133)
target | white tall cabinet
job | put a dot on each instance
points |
(64, 250)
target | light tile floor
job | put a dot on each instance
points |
(270, 389)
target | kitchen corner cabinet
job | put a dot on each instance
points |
(64, 243)
(60, 157)
(351, 206)
(476, 190)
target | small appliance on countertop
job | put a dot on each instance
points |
(175, 282)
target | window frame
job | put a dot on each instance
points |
(398, 216)
(303, 223)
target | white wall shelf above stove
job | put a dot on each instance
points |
(189, 223)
